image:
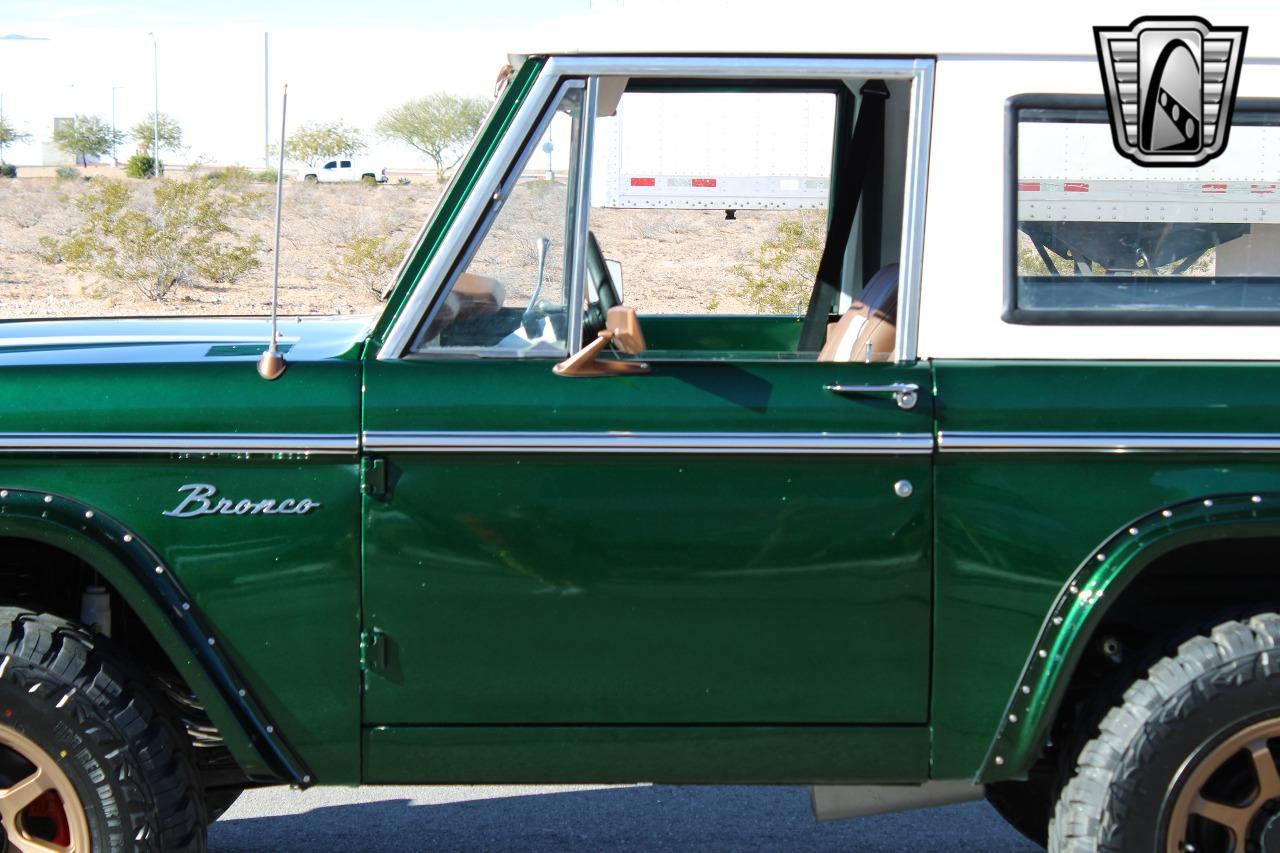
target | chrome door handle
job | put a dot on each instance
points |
(905, 394)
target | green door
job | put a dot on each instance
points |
(722, 540)
(711, 542)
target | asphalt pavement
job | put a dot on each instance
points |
(577, 819)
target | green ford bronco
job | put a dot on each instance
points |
(991, 506)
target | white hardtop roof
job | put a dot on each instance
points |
(1032, 28)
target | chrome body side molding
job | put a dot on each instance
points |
(1099, 442)
(648, 442)
(172, 442)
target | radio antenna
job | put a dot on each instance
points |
(271, 363)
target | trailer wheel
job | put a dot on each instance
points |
(1188, 760)
(86, 764)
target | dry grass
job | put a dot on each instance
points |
(674, 261)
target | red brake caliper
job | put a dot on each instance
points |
(48, 806)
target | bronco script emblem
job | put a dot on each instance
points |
(1170, 85)
(199, 500)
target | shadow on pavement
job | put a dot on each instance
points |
(659, 817)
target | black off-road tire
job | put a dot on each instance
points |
(69, 692)
(1127, 778)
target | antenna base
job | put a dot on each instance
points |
(271, 365)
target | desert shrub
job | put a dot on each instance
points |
(266, 176)
(140, 165)
(232, 177)
(367, 260)
(67, 173)
(8, 170)
(778, 275)
(181, 236)
(26, 204)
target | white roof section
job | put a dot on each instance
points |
(891, 27)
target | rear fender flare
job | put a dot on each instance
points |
(1084, 599)
(142, 578)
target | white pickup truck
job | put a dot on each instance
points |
(342, 171)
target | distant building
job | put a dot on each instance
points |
(52, 155)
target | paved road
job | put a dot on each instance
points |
(581, 819)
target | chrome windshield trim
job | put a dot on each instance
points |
(1099, 442)
(179, 442)
(649, 442)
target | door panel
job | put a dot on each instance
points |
(528, 565)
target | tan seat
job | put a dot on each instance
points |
(871, 319)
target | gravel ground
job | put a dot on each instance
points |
(578, 819)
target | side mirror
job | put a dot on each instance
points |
(622, 327)
(615, 273)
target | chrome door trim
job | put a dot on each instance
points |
(310, 444)
(919, 135)
(649, 442)
(1099, 442)
(763, 67)
(919, 71)
(582, 216)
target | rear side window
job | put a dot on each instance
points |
(1094, 238)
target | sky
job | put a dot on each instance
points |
(342, 60)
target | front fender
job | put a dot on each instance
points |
(1084, 600)
(139, 575)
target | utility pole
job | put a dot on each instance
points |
(155, 114)
(114, 160)
(266, 101)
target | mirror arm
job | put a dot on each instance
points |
(583, 362)
(622, 325)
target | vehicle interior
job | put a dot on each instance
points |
(512, 299)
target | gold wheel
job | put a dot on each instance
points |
(1230, 800)
(39, 807)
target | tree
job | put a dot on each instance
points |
(315, 141)
(439, 125)
(85, 137)
(144, 133)
(9, 135)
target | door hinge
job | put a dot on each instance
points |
(373, 650)
(373, 477)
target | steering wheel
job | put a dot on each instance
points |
(602, 292)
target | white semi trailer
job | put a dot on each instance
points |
(686, 151)
(1071, 183)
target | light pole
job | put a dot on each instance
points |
(155, 112)
(114, 160)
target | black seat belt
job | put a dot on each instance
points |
(864, 148)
